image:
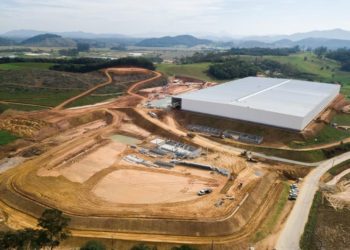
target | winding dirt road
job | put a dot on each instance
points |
(110, 80)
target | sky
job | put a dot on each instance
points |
(169, 17)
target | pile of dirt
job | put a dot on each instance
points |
(87, 117)
(22, 127)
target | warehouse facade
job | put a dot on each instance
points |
(284, 103)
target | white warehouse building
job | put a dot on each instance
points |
(284, 103)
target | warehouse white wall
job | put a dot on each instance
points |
(244, 113)
(319, 108)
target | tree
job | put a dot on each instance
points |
(55, 224)
(184, 247)
(320, 51)
(27, 238)
(68, 52)
(143, 247)
(53, 229)
(93, 245)
(83, 47)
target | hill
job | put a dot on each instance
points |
(168, 41)
(329, 43)
(22, 33)
(6, 42)
(326, 34)
(48, 40)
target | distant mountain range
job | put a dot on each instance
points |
(172, 41)
(308, 43)
(24, 34)
(326, 34)
(333, 39)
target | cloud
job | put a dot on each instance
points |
(174, 17)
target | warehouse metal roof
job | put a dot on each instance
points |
(285, 96)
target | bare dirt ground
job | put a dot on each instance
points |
(82, 172)
(142, 187)
(102, 158)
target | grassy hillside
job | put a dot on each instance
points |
(6, 137)
(25, 65)
(196, 70)
(324, 69)
(27, 83)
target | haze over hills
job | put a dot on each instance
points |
(24, 34)
(326, 34)
(333, 39)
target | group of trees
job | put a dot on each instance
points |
(238, 68)
(342, 56)
(265, 51)
(52, 230)
(234, 68)
(85, 64)
(219, 56)
(92, 65)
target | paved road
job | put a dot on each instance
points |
(294, 227)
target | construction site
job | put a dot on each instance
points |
(133, 169)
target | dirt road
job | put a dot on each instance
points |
(109, 81)
(25, 104)
(336, 178)
(294, 227)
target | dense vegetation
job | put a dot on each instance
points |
(6, 137)
(122, 62)
(264, 51)
(219, 56)
(93, 245)
(83, 64)
(234, 68)
(342, 56)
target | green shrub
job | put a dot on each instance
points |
(93, 245)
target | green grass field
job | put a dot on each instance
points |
(327, 135)
(6, 106)
(270, 222)
(25, 65)
(196, 70)
(6, 137)
(342, 119)
(45, 97)
(324, 69)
